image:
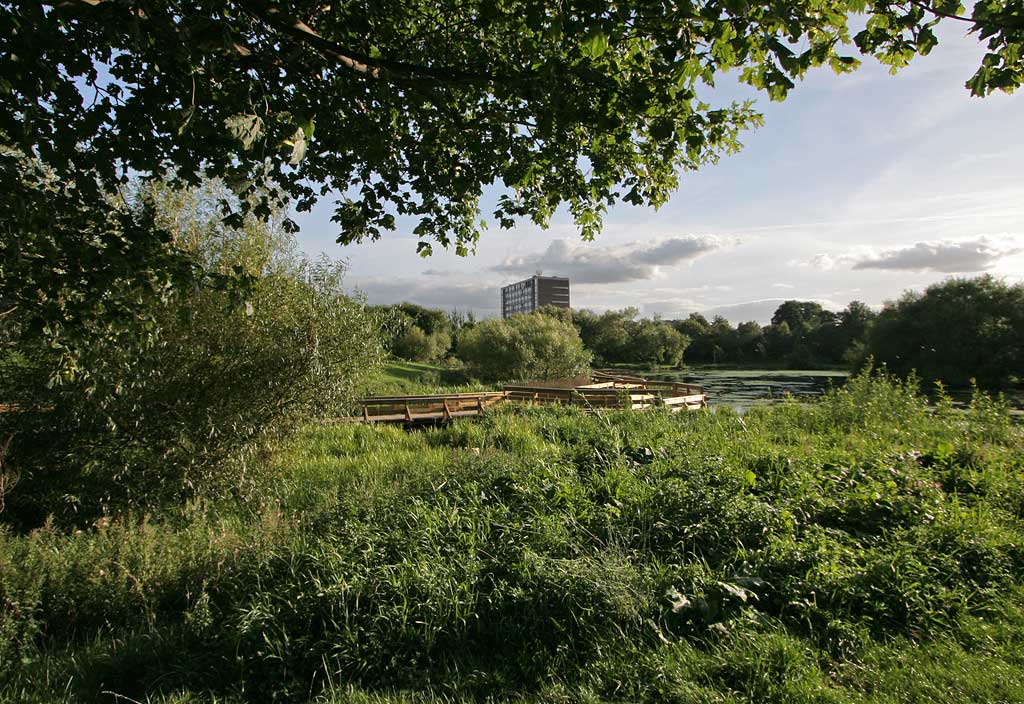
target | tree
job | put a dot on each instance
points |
(955, 331)
(532, 346)
(750, 341)
(657, 343)
(563, 314)
(799, 315)
(429, 320)
(406, 108)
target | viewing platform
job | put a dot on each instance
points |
(601, 391)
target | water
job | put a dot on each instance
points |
(742, 388)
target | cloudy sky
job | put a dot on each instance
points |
(858, 187)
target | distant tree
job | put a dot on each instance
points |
(608, 336)
(779, 341)
(750, 343)
(855, 323)
(417, 346)
(430, 320)
(563, 314)
(697, 329)
(656, 343)
(856, 319)
(530, 346)
(955, 331)
(799, 315)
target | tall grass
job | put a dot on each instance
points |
(867, 548)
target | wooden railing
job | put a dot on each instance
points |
(409, 409)
(604, 392)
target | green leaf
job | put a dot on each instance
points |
(595, 45)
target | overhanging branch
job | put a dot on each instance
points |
(366, 66)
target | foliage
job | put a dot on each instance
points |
(802, 334)
(73, 271)
(581, 105)
(533, 346)
(955, 331)
(200, 379)
(615, 337)
(866, 548)
(417, 346)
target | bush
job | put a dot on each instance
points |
(417, 346)
(531, 346)
(154, 415)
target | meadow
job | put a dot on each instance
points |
(868, 547)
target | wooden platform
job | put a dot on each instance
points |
(605, 391)
(438, 407)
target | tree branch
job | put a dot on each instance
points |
(939, 13)
(380, 69)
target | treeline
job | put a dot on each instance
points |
(957, 331)
(802, 333)
(954, 331)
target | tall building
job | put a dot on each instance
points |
(529, 295)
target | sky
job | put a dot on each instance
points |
(858, 187)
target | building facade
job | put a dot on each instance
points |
(530, 294)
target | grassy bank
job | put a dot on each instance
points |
(864, 548)
(400, 377)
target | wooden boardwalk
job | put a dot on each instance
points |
(436, 407)
(604, 392)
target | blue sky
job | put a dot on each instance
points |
(857, 187)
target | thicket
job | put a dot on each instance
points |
(533, 346)
(867, 548)
(419, 334)
(953, 332)
(802, 334)
(178, 395)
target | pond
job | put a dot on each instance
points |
(742, 388)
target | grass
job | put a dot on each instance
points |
(400, 377)
(866, 548)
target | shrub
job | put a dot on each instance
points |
(531, 346)
(417, 346)
(156, 414)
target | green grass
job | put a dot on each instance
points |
(866, 548)
(400, 377)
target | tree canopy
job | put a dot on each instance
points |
(407, 108)
(955, 331)
(413, 107)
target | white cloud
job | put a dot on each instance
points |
(783, 286)
(824, 262)
(585, 263)
(946, 256)
(950, 256)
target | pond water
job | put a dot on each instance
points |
(742, 388)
